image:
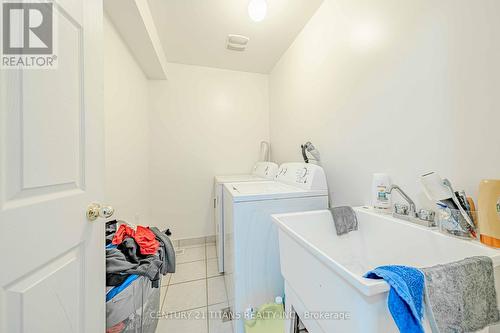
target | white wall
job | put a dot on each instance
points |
(127, 131)
(393, 86)
(204, 121)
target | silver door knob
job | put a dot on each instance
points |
(95, 210)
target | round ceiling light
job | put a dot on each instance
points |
(257, 10)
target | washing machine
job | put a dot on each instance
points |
(262, 171)
(251, 253)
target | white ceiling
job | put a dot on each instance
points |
(194, 31)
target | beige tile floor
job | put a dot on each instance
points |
(192, 297)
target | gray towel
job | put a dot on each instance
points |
(460, 297)
(116, 262)
(169, 255)
(344, 219)
(149, 267)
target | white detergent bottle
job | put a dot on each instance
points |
(249, 313)
(381, 199)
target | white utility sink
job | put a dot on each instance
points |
(323, 272)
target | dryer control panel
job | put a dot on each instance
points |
(265, 169)
(304, 175)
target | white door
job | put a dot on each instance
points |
(52, 273)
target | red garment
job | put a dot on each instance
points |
(144, 237)
(118, 328)
(146, 240)
(123, 232)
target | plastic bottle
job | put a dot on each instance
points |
(381, 200)
(249, 313)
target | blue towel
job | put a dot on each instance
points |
(406, 296)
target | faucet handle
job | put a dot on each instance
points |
(401, 209)
(427, 215)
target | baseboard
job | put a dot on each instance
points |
(183, 242)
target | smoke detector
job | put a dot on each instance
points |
(237, 42)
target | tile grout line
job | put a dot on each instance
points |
(182, 309)
(190, 262)
(183, 282)
(166, 290)
(206, 259)
(191, 309)
(195, 280)
(186, 310)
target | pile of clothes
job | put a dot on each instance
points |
(136, 259)
(144, 251)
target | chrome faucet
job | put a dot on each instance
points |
(410, 213)
(413, 208)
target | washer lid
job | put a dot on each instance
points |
(238, 179)
(261, 171)
(256, 191)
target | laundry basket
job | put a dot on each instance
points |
(133, 277)
(133, 306)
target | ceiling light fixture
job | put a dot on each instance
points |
(257, 10)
